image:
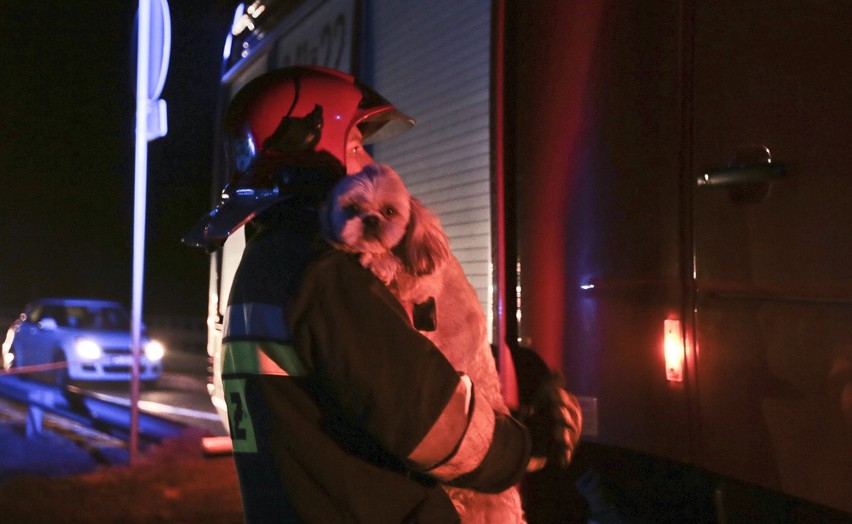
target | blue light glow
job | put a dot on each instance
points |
(229, 40)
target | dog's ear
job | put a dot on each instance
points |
(424, 246)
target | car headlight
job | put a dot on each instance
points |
(88, 349)
(154, 350)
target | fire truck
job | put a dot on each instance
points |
(655, 197)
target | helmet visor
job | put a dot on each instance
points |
(384, 125)
(236, 207)
(306, 177)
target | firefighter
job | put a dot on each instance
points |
(339, 410)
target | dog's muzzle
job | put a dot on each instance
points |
(371, 225)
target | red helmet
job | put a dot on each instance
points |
(286, 133)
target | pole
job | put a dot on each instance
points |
(505, 364)
(139, 204)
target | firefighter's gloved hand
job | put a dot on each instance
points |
(571, 419)
(555, 422)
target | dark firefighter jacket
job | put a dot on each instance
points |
(340, 411)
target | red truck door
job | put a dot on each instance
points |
(772, 209)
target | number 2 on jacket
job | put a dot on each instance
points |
(239, 418)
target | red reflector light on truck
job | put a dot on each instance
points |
(673, 349)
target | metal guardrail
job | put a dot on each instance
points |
(178, 333)
(37, 400)
(83, 407)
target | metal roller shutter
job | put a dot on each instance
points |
(432, 59)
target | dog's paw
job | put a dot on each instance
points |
(384, 265)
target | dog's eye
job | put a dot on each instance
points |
(389, 211)
(351, 210)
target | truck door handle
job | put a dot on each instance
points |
(743, 174)
(751, 164)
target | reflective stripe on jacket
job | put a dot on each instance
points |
(257, 341)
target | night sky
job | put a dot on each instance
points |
(67, 153)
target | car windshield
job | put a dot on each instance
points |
(105, 318)
(101, 318)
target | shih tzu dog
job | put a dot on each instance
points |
(402, 242)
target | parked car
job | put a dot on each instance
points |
(91, 336)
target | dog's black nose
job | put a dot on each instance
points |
(370, 221)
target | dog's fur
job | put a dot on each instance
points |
(402, 242)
